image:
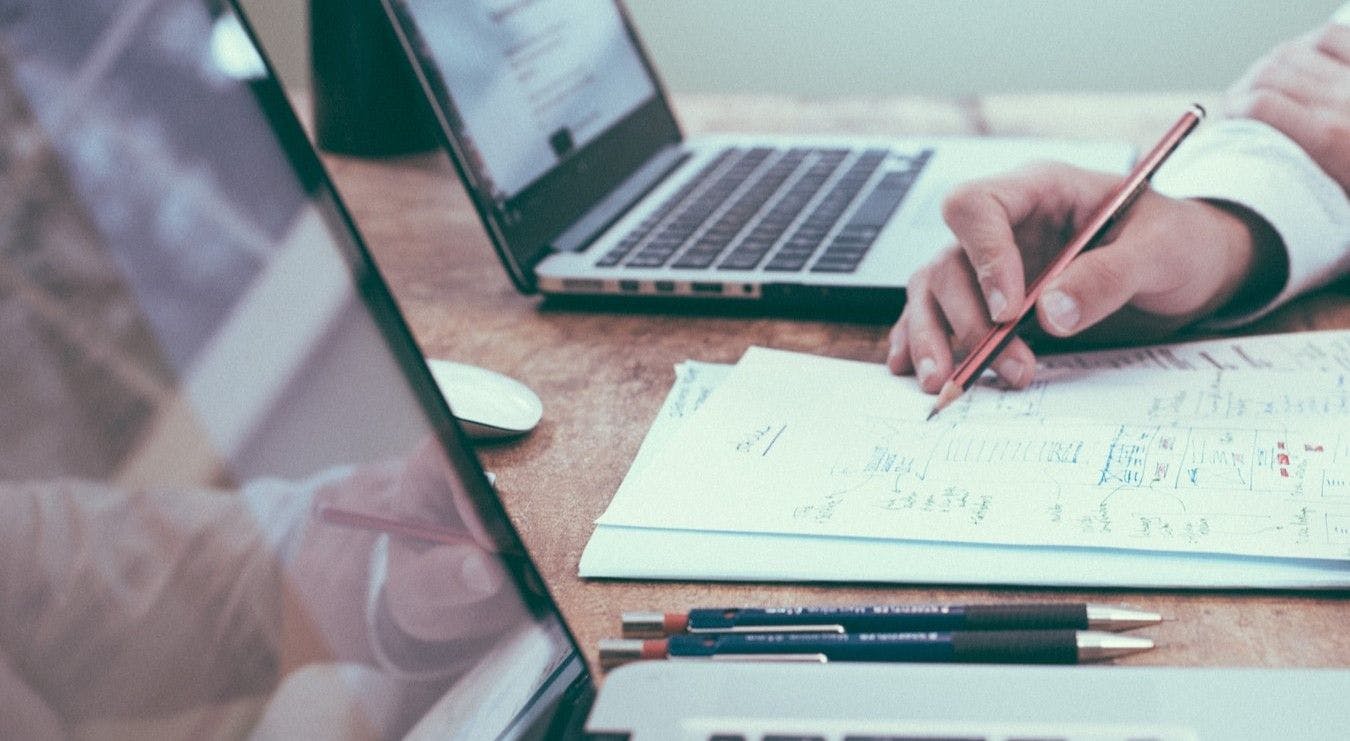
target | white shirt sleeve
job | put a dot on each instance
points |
(1255, 166)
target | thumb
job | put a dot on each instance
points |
(1094, 286)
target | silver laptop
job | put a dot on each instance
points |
(234, 504)
(569, 148)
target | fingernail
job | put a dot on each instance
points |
(1010, 369)
(1061, 310)
(925, 369)
(997, 303)
(891, 353)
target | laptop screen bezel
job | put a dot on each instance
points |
(522, 231)
(565, 691)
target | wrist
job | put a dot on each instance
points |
(1254, 262)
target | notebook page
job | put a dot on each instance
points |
(1213, 461)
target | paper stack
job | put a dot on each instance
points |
(1211, 464)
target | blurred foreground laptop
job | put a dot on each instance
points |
(570, 150)
(203, 369)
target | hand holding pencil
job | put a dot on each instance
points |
(1158, 265)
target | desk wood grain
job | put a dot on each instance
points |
(603, 374)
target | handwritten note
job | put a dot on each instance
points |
(1327, 351)
(1251, 463)
(694, 383)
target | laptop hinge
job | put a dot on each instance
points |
(622, 198)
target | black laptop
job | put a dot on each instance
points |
(233, 503)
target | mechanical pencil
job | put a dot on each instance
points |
(991, 646)
(887, 618)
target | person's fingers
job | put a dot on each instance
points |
(967, 319)
(446, 592)
(1334, 41)
(960, 301)
(1305, 76)
(1150, 264)
(1319, 122)
(1016, 364)
(983, 215)
(898, 357)
(1094, 286)
(1282, 112)
(927, 334)
(1170, 259)
(986, 215)
(944, 300)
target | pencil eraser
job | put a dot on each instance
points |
(674, 623)
(654, 648)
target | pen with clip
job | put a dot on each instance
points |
(992, 646)
(1111, 211)
(887, 618)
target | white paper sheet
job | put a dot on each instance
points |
(618, 552)
(1327, 350)
(694, 383)
(645, 552)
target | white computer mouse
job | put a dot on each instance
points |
(488, 404)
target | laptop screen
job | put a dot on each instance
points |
(533, 81)
(546, 105)
(231, 499)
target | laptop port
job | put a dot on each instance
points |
(665, 286)
(706, 287)
(630, 286)
(583, 284)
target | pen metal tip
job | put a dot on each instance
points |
(617, 651)
(1095, 645)
(649, 624)
(1110, 617)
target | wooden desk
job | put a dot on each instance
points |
(602, 375)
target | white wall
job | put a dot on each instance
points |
(942, 47)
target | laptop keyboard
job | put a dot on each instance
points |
(777, 208)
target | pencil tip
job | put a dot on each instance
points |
(946, 396)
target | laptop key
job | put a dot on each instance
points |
(877, 208)
(924, 737)
(695, 260)
(788, 263)
(848, 239)
(844, 252)
(860, 232)
(835, 265)
(882, 201)
(741, 261)
(613, 257)
(647, 261)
